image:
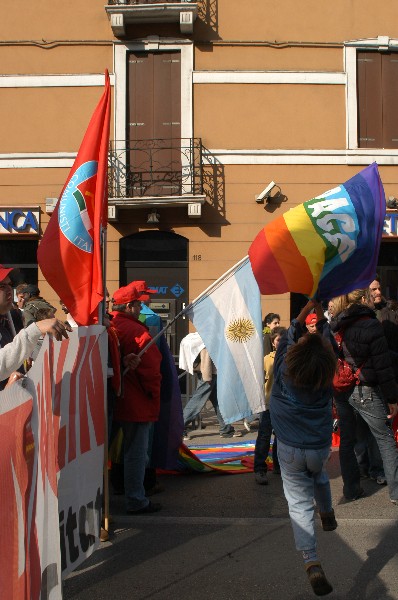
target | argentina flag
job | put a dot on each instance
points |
(227, 316)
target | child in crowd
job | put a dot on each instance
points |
(301, 414)
(265, 426)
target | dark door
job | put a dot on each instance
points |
(161, 259)
(154, 123)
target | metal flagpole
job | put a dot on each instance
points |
(102, 314)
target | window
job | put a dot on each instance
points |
(377, 93)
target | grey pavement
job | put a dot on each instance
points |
(224, 537)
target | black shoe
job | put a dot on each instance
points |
(318, 581)
(329, 522)
(152, 507)
(261, 477)
(155, 489)
(358, 495)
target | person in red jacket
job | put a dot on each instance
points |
(139, 404)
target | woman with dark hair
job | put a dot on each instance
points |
(374, 398)
(301, 414)
(270, 321)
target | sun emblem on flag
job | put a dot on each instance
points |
(240, 330)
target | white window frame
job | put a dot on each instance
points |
(380, 43)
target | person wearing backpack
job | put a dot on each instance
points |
(373, 394)
(33, 303)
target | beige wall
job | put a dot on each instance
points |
(263, 58)
(71, 59)
(311, 21)
(46, 119)
(55, 20)
(251, 35)
(270, 116)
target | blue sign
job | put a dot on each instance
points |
(26, 220)
(177, 290)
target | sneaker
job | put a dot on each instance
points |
(329, 522)
(186, 436)
(317, 579)
(152, 507)
(246, 425)
(380, 479)
(261, 477)
(231, 433)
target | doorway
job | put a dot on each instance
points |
(161, 259)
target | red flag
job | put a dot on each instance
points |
(70, 254)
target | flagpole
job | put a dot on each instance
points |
(189, 306)
(102, 306)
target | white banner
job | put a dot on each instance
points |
(51, 465)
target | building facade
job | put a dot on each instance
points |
(211, 102)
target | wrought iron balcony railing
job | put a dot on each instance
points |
(155, 168)
(132, 2)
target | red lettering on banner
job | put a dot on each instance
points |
(59, 432)
(47, 439)
(72, 400)
(91, 393)
(87, 380)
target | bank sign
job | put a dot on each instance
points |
(19, 221)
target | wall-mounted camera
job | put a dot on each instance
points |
(266, 192)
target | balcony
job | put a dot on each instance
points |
(150, 173)
(126, 12)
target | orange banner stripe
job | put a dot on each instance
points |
(291, 262)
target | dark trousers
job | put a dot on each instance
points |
(263, 443)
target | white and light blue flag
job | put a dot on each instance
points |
(227, 316)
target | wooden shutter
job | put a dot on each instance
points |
(369, 91)
(154, 122)
(390, 97)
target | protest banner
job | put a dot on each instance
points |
(51, 465)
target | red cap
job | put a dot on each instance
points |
(142, 287)
(4, 272)
(126, 294)
(311, 319)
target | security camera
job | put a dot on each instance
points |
(266, 192)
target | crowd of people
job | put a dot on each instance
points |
(359, 328)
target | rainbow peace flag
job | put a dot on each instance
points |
(328, 245)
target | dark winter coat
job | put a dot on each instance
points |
(365, 347)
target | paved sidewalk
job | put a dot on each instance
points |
(223, 537)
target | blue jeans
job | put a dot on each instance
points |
(205, 391)
(304, 479)
(263, 443)
(135, 439)
(369, 404)
(367, 451)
